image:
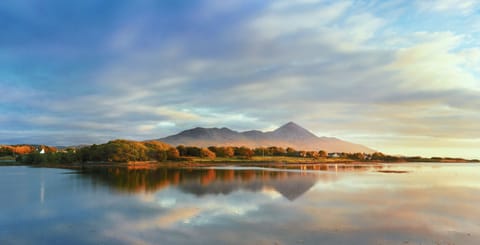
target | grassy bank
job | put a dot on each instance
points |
(7, 161)
(269, 161)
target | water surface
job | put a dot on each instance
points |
(383, 204)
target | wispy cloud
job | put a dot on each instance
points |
(353, 69)
(451, 6)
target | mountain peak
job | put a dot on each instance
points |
(293, 131)
(290, 125)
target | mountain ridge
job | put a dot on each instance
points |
(287, 135)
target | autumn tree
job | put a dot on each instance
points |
(291, 152)
(378, 156)
(322, 153)
(277, 151)
(225, 151)
(357, 156)
(49, 149)
(23, 149)
(172, 153)
(313, 154)
(206, 153)
(261, 151)
(6, 151)
(244, 152)
(182, 150)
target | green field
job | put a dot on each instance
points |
(7, 160)
(271, 159)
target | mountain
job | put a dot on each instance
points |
(288, 135)
(291, 185)
(291, 132)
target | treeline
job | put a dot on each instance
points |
(128, 151)
(50, 157)
(245, 152)
(113, 151)
(13, 150)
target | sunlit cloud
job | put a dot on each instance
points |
(376, 72)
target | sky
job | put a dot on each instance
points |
(402, 77)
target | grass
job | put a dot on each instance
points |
(7, 158)
(271, 159)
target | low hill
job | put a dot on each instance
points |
(128, 150)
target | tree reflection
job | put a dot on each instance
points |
(204, 181)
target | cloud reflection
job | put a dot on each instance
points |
(362, 207)
(430, 204)
(200, 182)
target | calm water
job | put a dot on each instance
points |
(391, 204)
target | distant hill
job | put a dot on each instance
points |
(297, 184)
(288, 135)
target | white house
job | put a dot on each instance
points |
(334, 155)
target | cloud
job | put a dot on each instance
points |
(165, 220)
(452, 6)
(432, 63)
(283, 18)
(337, 68)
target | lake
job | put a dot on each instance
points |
(323, 204)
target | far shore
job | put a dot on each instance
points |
(213, 163)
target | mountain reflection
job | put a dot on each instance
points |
(203, 181)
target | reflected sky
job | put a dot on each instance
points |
(381, 204)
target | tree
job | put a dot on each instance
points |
(291, 152)
(23, 149)
(244, 152)
(357, 156)
(302, 153)
(182, 150)
(6, 151)
(213, 149)
(378, 156)
(172, 153)
(192, 151)
(277, 151)
(48, 149)
(225, 151)
(322, 153)
(206, 153)
(67, 157)
(229, 152)
(124, 151)
(312, 154)
(261, 151)
(33, 158)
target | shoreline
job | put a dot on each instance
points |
(186, 164)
